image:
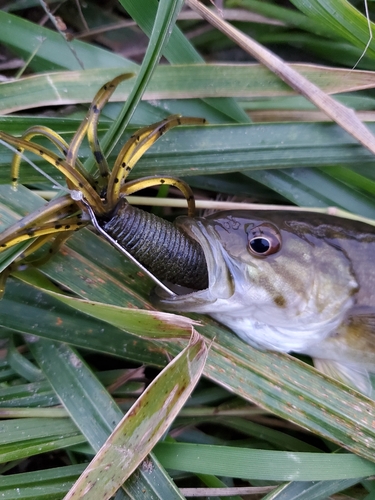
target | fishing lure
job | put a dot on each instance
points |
(179, 258)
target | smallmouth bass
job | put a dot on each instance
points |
(291, 282)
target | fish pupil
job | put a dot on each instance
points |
(260, 245)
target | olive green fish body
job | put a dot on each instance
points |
(290, 282)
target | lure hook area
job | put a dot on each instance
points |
(78, 196)
(99, 195)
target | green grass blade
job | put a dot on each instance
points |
(22, 438)
(314, 188)
(254, 464)
(36, 394)
(172, 82)
(286, 15)
(342, 19)
(19, 313)
(149, 324)
(301, 490)
(162, 28)
(179, 51)
(143, 425)
(51, 51)
(276, 438)
(39, 485)
(79, 390)
(93, 410)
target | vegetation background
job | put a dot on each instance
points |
(257, 425)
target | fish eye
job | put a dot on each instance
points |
(263, 240)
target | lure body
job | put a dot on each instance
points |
(160, 246)
(290, 282)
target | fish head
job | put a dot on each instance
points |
(279, 280)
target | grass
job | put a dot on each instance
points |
(256, 423)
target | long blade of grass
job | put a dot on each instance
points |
(149, 324)
(94, 411)
(144, 424)
(51, 53)
(316, 188)
(289, 16)
(173, 82)
(254, 464)
(20, 314)
(22, 438)
(53, 482)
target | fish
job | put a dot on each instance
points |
(287, 281)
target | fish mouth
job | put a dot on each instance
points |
(220, 281)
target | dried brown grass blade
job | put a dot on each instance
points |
(343, 116)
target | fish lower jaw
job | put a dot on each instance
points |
(278, 338)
